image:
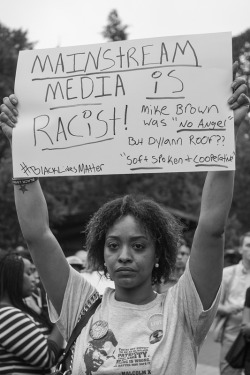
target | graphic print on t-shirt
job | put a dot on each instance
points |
(103, 349)
(155, 324)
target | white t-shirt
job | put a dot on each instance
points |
(158, 338)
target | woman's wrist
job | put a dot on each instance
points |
(24, 180)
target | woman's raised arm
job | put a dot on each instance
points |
(32, 213)
(206, 260)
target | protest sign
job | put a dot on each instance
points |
(140, 106)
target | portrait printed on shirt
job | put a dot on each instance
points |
(103, 349)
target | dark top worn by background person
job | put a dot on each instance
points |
(235, 281)
(246, 330)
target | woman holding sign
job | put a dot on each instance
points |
(135, 241)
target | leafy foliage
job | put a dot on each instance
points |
(241, 52)
(114, 30)
(11, 42)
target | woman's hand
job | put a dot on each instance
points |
(8, 116)
(239, 101)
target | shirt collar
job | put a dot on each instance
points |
(242, 268)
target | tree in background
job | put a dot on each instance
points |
(11, 42)
(241, 52)
(114, 30)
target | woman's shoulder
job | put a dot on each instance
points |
(9, 310)
(10, 315)
(14, 313)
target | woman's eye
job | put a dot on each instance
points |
(138, 246)
(112, 245)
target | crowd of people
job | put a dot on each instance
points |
(33, 304)
(156, 314)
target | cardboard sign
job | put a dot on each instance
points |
(139, 106)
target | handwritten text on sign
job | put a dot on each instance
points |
(141, 106)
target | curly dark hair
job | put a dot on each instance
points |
(163, 227)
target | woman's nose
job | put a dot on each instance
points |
(33, 279)
(125, 254)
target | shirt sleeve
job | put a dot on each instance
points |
(196, 321)
(20, 336)
(226, 279)
(78, 291)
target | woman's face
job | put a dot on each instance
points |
(182, 256)
(29, 280)
(129, 254)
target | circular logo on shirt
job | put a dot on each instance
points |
(155, 322)
(99, 329)
(156, 336)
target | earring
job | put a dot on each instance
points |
(156, 265)
(107, 275)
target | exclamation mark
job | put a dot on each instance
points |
(125, 116)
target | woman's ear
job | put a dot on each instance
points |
(157, 255)
(157, 258)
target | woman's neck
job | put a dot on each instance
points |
(136, 297)
(246, 264)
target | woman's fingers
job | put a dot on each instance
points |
(240, 90)
(239, 96)
(11, 102)
(7, 117)
(9, 111)
(242, 100)
(9, 105)
(238, 82)
(235, 68)
(13, 99)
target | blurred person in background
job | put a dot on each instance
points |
(82, 254)
(245, 327)
(231, 256)
(183, 254)
(76, 263)
(37, 300)
(182, 257)
(236, 280)
(27, 345)
(96, 278)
